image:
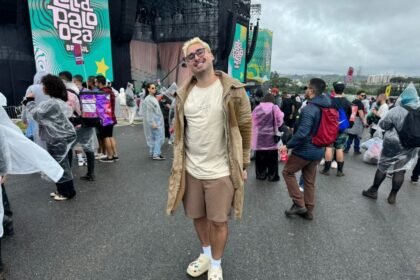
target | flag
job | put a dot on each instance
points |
(388, 90)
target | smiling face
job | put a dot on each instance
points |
(199, 59)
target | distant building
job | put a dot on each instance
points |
(380, 79)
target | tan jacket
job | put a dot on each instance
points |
(237, 111)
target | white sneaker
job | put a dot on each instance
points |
(59, 197)
(99, 156)
(81, 162)
(53, 194)
(322, 162)
(301, 189)
(334, 165)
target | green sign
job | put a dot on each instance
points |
(60, 25)
(259, 68)
(237, 58)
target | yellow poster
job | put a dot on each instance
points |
(388, 90)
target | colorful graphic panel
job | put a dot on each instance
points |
(237, 58)
(259, 68)
(60, 25)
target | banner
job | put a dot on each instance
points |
(259, 68)
(388, 90)
(60, 25)
(349, 76)
(237, 57)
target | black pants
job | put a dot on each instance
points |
(90, 159)
(267, 165)
(66, 189)
(6, 205)
(416, 171)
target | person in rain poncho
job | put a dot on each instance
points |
(153, 123)
(19, 155)
(266, 119)
(123, 104)
(131, 103)
(56, 130)
(395, 159)
(39, 97)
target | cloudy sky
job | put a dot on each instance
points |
(328, 36)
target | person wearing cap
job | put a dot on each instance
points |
(277, 97)
(357, 122)
(338, 101)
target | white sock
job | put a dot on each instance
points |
(80, 156)
(207, 251)
(216, 263)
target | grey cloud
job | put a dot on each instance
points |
(329, 36)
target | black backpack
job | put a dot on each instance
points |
(410, 132)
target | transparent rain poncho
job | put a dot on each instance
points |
(263, 130)
(395, 157)
(37, 90)
(19, 155)
(152, 117)
(56, 130)
(86, 138)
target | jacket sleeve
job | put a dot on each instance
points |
(304, 129)
(245, 127)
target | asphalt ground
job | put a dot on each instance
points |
(116, 227)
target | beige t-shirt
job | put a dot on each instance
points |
(205, 139)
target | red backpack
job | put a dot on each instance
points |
(328, 128)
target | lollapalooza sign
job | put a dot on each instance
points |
(60, 27)
(236, 66)
(75, 22)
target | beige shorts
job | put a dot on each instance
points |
(208, 198)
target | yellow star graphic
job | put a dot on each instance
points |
(102, 67)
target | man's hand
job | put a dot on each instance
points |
(2, 179)
(244, 175)
(283, 149)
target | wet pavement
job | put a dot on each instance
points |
(116, 227)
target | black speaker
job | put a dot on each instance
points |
(128, 19)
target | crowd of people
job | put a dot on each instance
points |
(213, 127)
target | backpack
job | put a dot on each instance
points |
(328, 128)
(410, 132)
(343, 122)
(96, 109)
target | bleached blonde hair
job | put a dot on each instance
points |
(193, 41)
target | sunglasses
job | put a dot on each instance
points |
(198, 53)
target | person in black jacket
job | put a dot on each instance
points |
(305, 155)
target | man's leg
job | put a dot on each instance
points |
(309, 176)
(108, 147)
(328, 161)
(114, 147)
(218, 197)
(218, 239)
(349, 142)
(293, 165)
(356, 144)
(202, 227)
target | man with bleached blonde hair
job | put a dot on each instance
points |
(211, 154)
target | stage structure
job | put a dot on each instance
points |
(145, 38)
(162, 27)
